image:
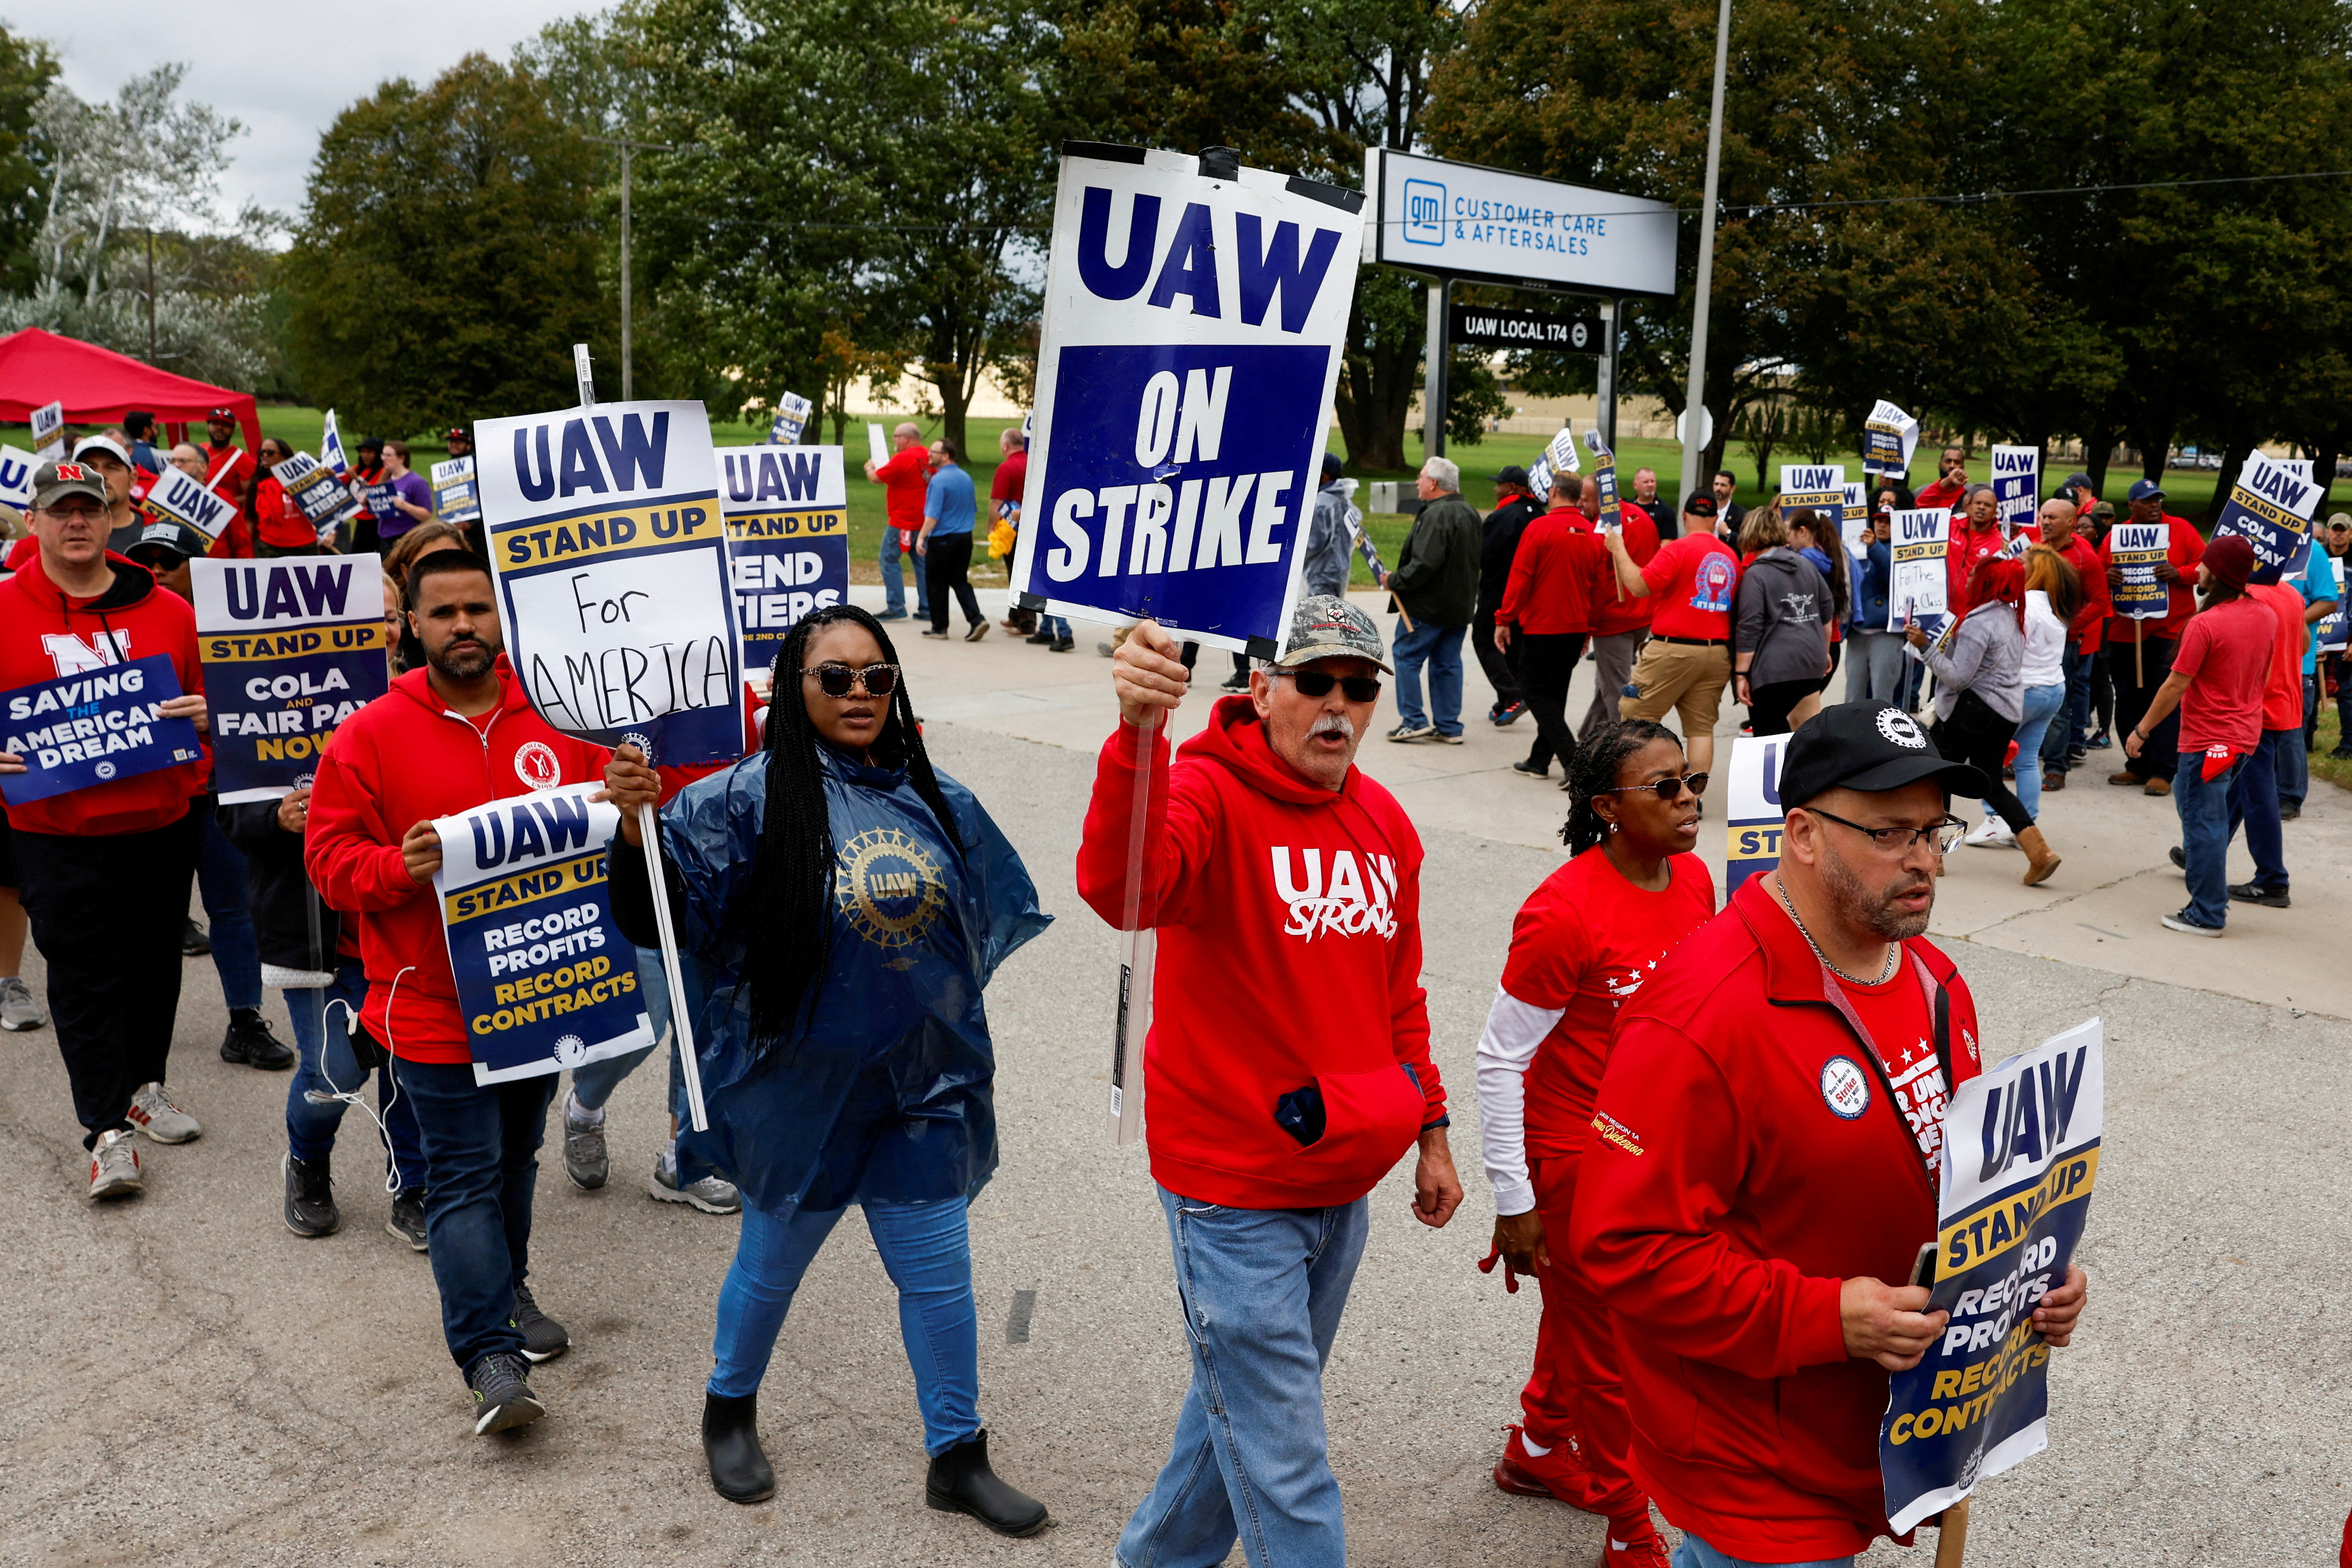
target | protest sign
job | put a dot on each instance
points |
(17, 477)
(611, 554)
(1752, 833)
(1889, 436)
(330, 449)
(1539, 480)
(183, 499)
(791, 418)
(1180, 391)
(545, 979)
(2330, 630)
(1611, 517)
(2298, 466)
(2020, 1158)
(1855, 529)
(2016, 482)
(1558, 457)
(787, 539)
(2271, 510)
(50, 431)
(1920, 582)
(457, 494)
(2136, 548)
(1821, 486)
(94, 725)
(877, 448)
(291, 647)
(323, 500)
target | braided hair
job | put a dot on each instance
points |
(786, 914)
(1594, 773)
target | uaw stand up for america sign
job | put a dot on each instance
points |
(2021, 1156)
(1190, 345)
(291, 648)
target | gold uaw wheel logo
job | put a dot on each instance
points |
(889, 886)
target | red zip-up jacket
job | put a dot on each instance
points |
(1558, 571)
(1289, 953)
(1722, 1204)
(406, 759)
(2090, 623)
(44, 635)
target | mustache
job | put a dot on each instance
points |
(1338, 724)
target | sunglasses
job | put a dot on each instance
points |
(1668, 789)
(1318, 683)
(839, 680)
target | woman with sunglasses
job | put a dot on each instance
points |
(843, 905)
(1582, 943)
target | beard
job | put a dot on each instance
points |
(1873, 910)
(466, 661)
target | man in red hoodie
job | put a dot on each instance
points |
(1767, 1142)
(1287, 1065)
(103, 871)
(905, 480)
(450, 736)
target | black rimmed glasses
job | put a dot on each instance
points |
(839, 680)
(1668, 789)
(1318, 683)
(1939, 835)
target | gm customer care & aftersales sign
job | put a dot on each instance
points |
(1191, 342)
(1463, 220)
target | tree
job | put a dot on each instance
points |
(446, 260)
(27, 67)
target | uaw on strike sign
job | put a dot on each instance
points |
(1190, 343)
(611, 554)
(291, 648)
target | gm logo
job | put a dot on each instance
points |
(1424, 212)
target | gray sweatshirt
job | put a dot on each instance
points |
(1985, 654)
(1781, 601)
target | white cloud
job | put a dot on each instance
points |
(284, 67)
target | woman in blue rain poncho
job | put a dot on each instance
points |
(842, 905)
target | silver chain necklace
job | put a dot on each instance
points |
(1892, 947)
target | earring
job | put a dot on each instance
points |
(1613, 827)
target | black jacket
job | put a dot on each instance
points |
(1436, 575)
(1499, 542)
(281, 894)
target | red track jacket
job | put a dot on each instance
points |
(1722, 1203)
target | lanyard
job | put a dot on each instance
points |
(1939, 1011)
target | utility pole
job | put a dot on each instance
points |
(629, 147)
(1693, 434)
(150, 293)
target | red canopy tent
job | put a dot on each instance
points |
(98, 386)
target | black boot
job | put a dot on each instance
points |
(962, 1482)
(731, 1441)
(310, 1198)
(248, 1041)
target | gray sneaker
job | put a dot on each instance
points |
(585, 1159)
(709, 1195)
(154, 1113)
(18, 1010)
(114, 1166)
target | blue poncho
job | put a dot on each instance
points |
(884, 1095)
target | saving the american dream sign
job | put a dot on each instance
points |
(291, 648)
(93, 727)
(787, 539)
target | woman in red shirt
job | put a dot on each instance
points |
(1583, 942)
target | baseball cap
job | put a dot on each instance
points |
(53, 482)
(1332, 464)
(2339, 519)
(370, 444)
(228, 413)
(107, 444)
(2104, 509)
(1511, 474)
(460, 433)
(1700, 504)
(1325, 626)
(165, 537)
(2146, 489)
(1869, 747)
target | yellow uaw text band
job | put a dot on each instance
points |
(524, 887)
(587, 535)
(787, 525)
(241, 648)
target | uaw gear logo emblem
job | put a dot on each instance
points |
(889, 886)
(1901, 728)
(644, 743)
(1844, 1088)
(536, 766)
(571, 1050)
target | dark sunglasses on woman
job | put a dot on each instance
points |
(836, 680)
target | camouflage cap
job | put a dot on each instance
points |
(1325, 626)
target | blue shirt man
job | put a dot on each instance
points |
(949, 505)
(950, 509)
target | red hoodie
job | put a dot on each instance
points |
(44, 635)
(1289, 951)
(406, 759)
(1725, 1196)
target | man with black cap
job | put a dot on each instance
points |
(2139, 653)
(1514, 507)
(1768, 1137)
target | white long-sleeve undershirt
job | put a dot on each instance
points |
(1507, 1044)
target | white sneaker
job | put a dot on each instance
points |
(709, 1195)
(18, 1010)
(114, 1166)
(1992, 833)
(152, 1112)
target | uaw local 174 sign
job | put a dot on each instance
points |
(185, 499)
(787, 536)
(2271, 508)
(611, 554)
(1752, 833)
(2021, 1156)
(291, 648)
(545, 979)
(1190, 345)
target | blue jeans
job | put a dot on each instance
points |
(2204, 807)
(1439, 647)
(2070, 728)
(2294, 754)
(2041, 705)
(1262, 1290)
(894, 585)
(309, 1126)
(2255, 800)
(926, 1248)
(1694, 1553)
(593, 1084)
(1060, 625)
(1873, 666)
(481, 1163)
(221, 878)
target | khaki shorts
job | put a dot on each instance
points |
(1684, 677)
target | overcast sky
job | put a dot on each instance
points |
(285, 69)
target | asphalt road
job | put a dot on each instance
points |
(186, 1382)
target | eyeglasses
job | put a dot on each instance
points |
(1668, 789)
(1939, 835)
(838, 680)
(1318, 683)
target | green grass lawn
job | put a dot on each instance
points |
(2337, 770)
